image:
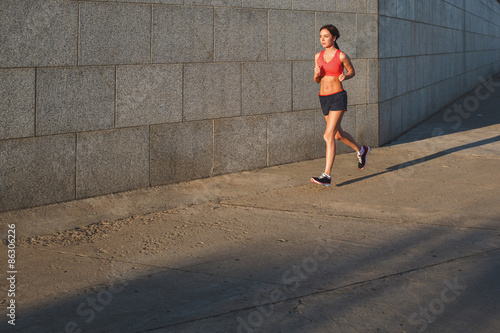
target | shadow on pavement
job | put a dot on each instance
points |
(420, 160)
(390, 286)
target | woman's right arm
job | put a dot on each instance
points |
(317, 69)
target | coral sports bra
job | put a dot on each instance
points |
(332, 68)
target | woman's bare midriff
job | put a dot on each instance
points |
(330, 85)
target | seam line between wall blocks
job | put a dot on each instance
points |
(356, 38)
(464, 42)
(315, 28)
(434, 54)
(149, 157)
(78, 37)
(116, 97)
(368, 72)
(213, 148)
(232, 62)
(268, 32)
(183, 68)
(76, 165)
(435, 25)
(434, 83)
(213, 32)
(35, 118)
(151, 36)
(241, 89)
(315, 135)
(267, 139)
(291, 86)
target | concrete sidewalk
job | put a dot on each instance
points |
(410, 244)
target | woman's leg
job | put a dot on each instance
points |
(347, 139)
(333, 121)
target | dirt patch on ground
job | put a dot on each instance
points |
(87, 234)
(159, 230)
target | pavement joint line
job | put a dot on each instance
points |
(482, 156)
(166, 268)
(203, 263)
(417, 150)
(185, 269)
(217, 200)
(295, 211)
(340, 240)
(189, 269)
(161, 269)
(324, 291)
(388, 220)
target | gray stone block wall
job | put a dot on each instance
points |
(304, 89)
(36, 171)
(148, 94)
(367, 119)
(212, 90)
(74, 99)
(272, 4)
(266, 87)
(239, 35)
(291, 137)
(181, 151)
(240, 143)
(38, 33)
(182, 34)
(430, 53)
(112, 161)
(114, 33)
(17, 103)
(103, 96)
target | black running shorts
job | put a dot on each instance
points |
(334, 102)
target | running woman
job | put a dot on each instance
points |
(329, 71)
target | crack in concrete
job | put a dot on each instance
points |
(324, 291)
(385, 220)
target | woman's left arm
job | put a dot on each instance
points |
(344, 59)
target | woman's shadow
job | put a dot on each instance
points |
(420, 160)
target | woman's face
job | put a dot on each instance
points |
(326, 38)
